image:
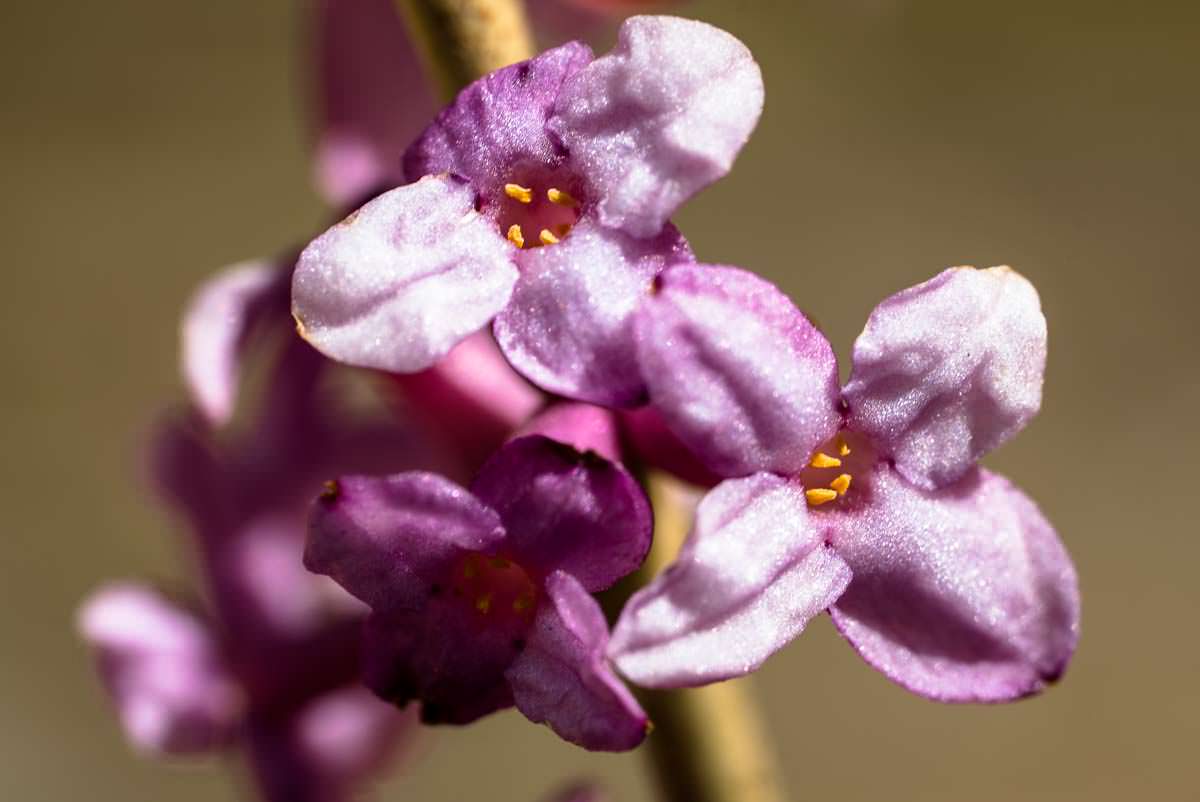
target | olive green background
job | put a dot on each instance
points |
(145, 144)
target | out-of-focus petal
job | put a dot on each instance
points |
(562, 677)
(752, 573)
(738, 373)
(567, 510)
(350, 733)
(646, 435)
(584, 427)
(217, 323)
(162, 668)
(390, 541)
(569, 326)
(948, 370)
(498, 122)
(373, 98)
(659, 118)
(583, 792)
(401, 281)
(963, 594)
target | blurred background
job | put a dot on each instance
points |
(145, 144)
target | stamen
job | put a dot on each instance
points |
(519, 193)
(522, 603)
(823, 460)
(841, 484)
(820, 495)
(561, 198)
(843, 449)
(547, 238)
(515, 236)
(484, 603)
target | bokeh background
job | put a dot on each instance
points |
(145, 144)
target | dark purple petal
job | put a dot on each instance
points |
(583, 427)
(569, 325)
(752, 573)
(162, 668)
(738, 373)
(563, 680)
(963, 594)
(659, 118)
(948, 370)
(373, 98)
(567, 510)
(401, 281)
(391, 541)
(498, 122)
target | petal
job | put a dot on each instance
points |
(736, 371)
(569, 326)
(349, 733)
(752, 573)
(583, 427)
(390, 541)
(562, 679)
(162, 668)
(398, 283)
(497, 122)
(963, 594)
(659, 118)
(217, 325)
(646, 435)
(566, 510)
(948, 370)
(373, 98)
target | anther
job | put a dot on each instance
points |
(515, 236)
(820, 495)
(561, 198)
(841, 484)
(484, 603)
(547, 238)
(843, 449)
(522, 603)
(519, 193)
(823, 460)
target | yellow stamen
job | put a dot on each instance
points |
(843, 449)
(841, 484)
(484, 603)
(547, 238)
(515, 236)
(820, 495)
(823, 460)
(522, 603)
(561, 198)
(519, 193)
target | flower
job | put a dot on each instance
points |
(480, 597)
(865, 500)
(540, 198)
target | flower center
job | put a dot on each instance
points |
(834, 467)
(496, 588)
(539, 209)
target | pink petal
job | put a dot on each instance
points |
(659, 118)
(583, 427)
(948, 370)
(752, 573)
(962, 594)
(742, 377)
(398, 283)
(561, 678)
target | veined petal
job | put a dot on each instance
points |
(752, 573)
(584, 427)
(569, 326)
(390, 541)
(562, 678)
(566, 510)
(398, 283)
(659, 118)
(736, 371)
(962, 594)
(948, 370)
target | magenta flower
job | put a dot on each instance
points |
(481, 598)
(865, 500)
(541, 198)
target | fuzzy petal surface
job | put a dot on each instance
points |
(948, 370)
(962, 594)
(567, 510)
(659, 118)
(162, 667)
(752, 573)
(569, 326)
(584, 427)
(398, 283)
(562, 677)
(498, 122)
(390, 541)
(738, 373)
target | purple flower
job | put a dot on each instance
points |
(865, 500)
(540, 198)
(481, 598)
